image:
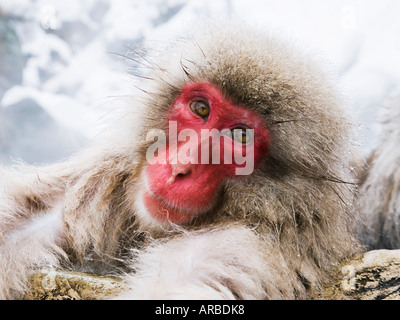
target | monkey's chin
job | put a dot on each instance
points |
(163, 212)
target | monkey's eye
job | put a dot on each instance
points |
(241, 135)
(201, 108)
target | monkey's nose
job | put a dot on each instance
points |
(179, 170)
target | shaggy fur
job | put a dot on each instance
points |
(276, 234)
(380, 183)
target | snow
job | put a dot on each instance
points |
(70, 73)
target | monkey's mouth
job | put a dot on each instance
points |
(162, 211)
(170, 204)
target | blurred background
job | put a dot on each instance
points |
(58, 74)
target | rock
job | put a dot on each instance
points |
(374, 276)
(63, 285)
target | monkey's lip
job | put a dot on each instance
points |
(161, 210)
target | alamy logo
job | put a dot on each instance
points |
(188, 146)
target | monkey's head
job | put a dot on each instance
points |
(248, 125)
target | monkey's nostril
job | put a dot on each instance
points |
(182, 175)
(180, 170)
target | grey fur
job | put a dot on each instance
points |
(380, 183)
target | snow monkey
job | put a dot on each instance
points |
(380, 183)
(232, 184)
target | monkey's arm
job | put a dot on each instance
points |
(34, 244)
(30, 225)
(227, 263)
(27, 192)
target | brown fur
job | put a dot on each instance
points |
(293, 213)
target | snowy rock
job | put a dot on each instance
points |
(12, 61)
(29, 132)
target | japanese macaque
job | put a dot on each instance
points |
(262, 212)
(380, 183)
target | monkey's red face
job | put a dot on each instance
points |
(210, 140)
